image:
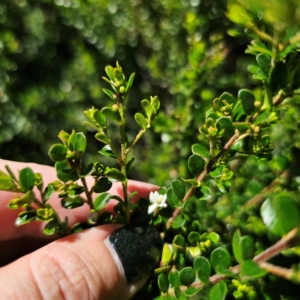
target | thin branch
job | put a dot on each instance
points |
(285, 273)
(206, 170)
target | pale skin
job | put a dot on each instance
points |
(79, 266)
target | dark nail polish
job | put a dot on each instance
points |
(139, 249)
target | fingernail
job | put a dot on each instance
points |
(138, 249)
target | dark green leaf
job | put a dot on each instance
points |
(206, 193)
(129, 164)
(251, 269)
(220, 256)
(25, 217)
(115, 174)
(50, 227)
(202, 264)
(101, 201)
(22, 201)
(173, 278)
(228, 98)
(194, 237)
(187, 276)
(280, 213)
(102, 185)
(217, 172)
(279, 77)
(264, 61)
(26, 179)
(196, 164)
(179, 240)
(163, 282)
(201, 151)
(173, 200)
(141, 120)
(178, 188)
(58, 152)
(65, 172)
(6, 182)
(49, 190)
(178, 222)
(129, 83)
(100, 118)
(70, 203)
(225, 127)
(247, 100)
(235, 246)
(218, 291)
(111, 114)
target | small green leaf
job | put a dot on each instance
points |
(110, 72)
(247, 100)
(109, 93)
(196, 164)
(102, 185)
(80, 142)
(187, 276)
(111, 114)
(147, 107)
(202, 264)
(206, 193)
(247, 247)
(155, 103)
(172, 198)
(227, 97)
(264, 62)
(50, 227)
(101, 201)
(106, 150)
(201, 151)
(141, 120)
(173, 278)
(220, 256)
(64, 137)
(178, 188)
(58, 152)
(179, 240)
(217, 173)
(194, 237)
(279, 77)
(218, 291)
(163, 282)
(235, 246)
(70, 203)
(251, 269)
(225, 127)
(178, 222)
(167, 254)
(25, 217)
(115, 174)
(102, 138)
(49, 190)
(129, 164)
(64, 172)
(6, 182)
(26, 179)
(100, 119)
(280, 213)
(22, 201)
(129, 83)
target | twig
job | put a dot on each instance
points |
(285, 273)
(206, 170)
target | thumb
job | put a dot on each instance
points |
(105, 262)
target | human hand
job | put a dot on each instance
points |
(79, 266)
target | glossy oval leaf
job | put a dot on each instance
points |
(101, 201)
(6, 182)
(172, 198)
(187, 276)
(102, 185)
(196, 164)
(280, 214)
(264, 62)
(279, 77)
(173, 278)
(115, 174)
(64, 171)
(247, 100)
(218, 291)
(70, 203)
(202, 264)
(201, 151)
(220, 256)
(178, 188)
(178, 222)
(147, 107)
(111, 114)
(26, 179)
(251, 269)
(58, 152)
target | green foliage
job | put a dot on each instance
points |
(224, 147)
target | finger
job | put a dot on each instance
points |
(81, 266)
(78, 215)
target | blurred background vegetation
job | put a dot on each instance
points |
(53, 54)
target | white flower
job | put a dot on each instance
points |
(156, 200)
